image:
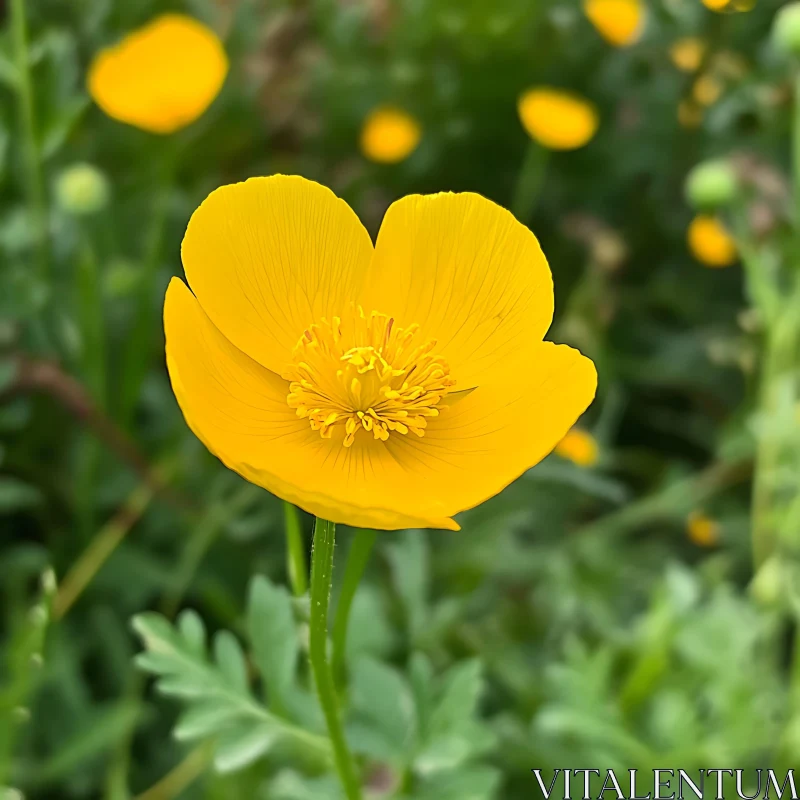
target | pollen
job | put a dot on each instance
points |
(368, 375)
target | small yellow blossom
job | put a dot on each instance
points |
(387, 386)
(619, 22)
(721, 6)
(702, 530)
(389, 135)
(161, 77)
(690, 115)
(556, 119)
(710, 242)
(580, 447)
(687, 53)
(707, 90)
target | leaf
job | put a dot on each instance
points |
(409, 560)
(288, 785)
(381, 699)
(230, 660)
(15, 495)
(205, 718)
(474, 783)
(273, 634)
(244, 745)
(193, 631)
(421, 674)
(459, 697)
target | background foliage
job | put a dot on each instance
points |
(572, 622)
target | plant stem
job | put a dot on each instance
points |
(295, 551)
(357, 559)
(321, 580)
(182, 776)
(529, 182)
(33, 166)
(796, 160)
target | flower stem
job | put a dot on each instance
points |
(33, 166)
(357, 559)
(295, 551)
(321, 580)
(529, 182)
(796, 156)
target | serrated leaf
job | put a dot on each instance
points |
(230, 660)
(289, 785)
(206, 718)
(459, 697)
(451, 750)
(193, 631)
(382, 699)
(243, 745)
(273, 634)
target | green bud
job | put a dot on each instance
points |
(81, 190)
(786, 29)
(711, 185)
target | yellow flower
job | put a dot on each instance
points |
(707, 90)
(556, 119)
(389, 135)
(619, 22)
(687, 54)
(580, 447)
(690, 115)
(389, 386)
(702, 530)
(161, 77)
(721, 6)
(710, 243)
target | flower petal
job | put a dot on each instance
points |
(268, 257)
(238, 409)
(161, 77)
(507, 425)
(468, 273)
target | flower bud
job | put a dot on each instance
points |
(81, 190)
(711, 185)
(786, 29)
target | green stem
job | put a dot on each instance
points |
(796, 158)
(529, 182)
(295, 551)
(321, 580)
(357, 559)
(33, 166)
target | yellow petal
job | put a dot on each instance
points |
(556, 119)
(162, 77)
(268, 257)
(580, 447)
(619, 22)
(389, 135)
(687, 54)
(238, 409)
(707, 90)
(468, 273)
(710, 242)
(507, 425)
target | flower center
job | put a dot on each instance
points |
(375, 377)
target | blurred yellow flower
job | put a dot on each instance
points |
(387, 387)
(619, 22)
(721, 6)
(556, 119)
(580, 447)
(702, 530)
(710, 242)
(687, 53)
(389, 135)
(690, 115)
(161, 77)
(707, 90)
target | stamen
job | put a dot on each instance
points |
(373, 377)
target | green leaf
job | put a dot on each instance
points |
(409, 560)
(242, 746)
(230, 660)
(459, 697)
(273, 635)
(16, 495)
(193, 631)
(205, 718)
(382, 701)
(475, 783)
(288, 785)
